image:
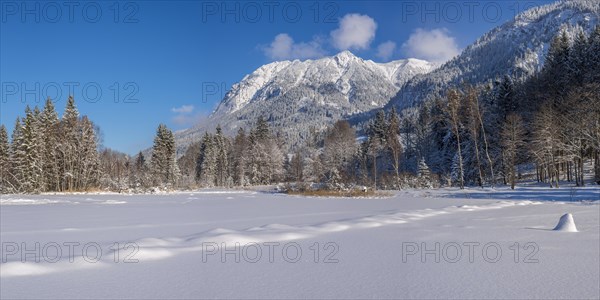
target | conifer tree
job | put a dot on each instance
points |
(453, 109)
(377, 137)
(265, 158)
(206, 171)
(69, 146)
(506, 97)
(140, 162)
(593, 56)
(379, 127)
(577, 60)
(221, 144)
(18, 171)
(261, 130)
(5, 185)
(556, 68)
(139, 173)
(89, 163)
(240, 145)
(296, 167)
(31, 147)
(393, 143)
(423, 169)
(163, 161)
(50, 160)
(424, 174)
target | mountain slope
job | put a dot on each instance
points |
(297, 95)
(517, 47)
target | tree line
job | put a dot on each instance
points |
(49, 154)
(338, 158)
(548, 124)
(490, 134)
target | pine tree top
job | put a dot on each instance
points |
(3, 133)
(49, 112)
(71, 113)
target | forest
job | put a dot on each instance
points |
(546, 126)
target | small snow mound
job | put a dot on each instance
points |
(566, 223)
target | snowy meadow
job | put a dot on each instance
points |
(254, 244)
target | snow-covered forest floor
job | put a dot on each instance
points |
(490, 244)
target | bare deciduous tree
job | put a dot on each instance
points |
(512, 142)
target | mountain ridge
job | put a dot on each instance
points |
(296, 95)
(517, 47)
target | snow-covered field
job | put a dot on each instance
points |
(413, 244)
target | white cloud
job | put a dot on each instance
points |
(355, 32)
(386, 50)
(283, 47)
(184, 117)
(187, 119)
(434, 45)
(184, 109)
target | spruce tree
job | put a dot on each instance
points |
(424, 174)
(69, 155)
(89, 160)
(163, 162)
(378, 127)
(296, 167)
(140, 172)
(17, 172)
(453, 109)
(5, 185)
(265, 158)
(240, 145)
(174, 172)
(423, 169)
(556, 68)
(506, 99)
(439, 135)
(206, 171)
(31, 148)
(261, 130)
(593, 55)
(140, 161)
(393, 143)
(221, 144)
(578, 61)
(50, 160)
(377, 135)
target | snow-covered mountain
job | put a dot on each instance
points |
(343, 81)
(517, 47)
(297, 95)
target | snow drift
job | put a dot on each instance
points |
(566, 223)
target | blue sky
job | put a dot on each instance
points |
(172, 61)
